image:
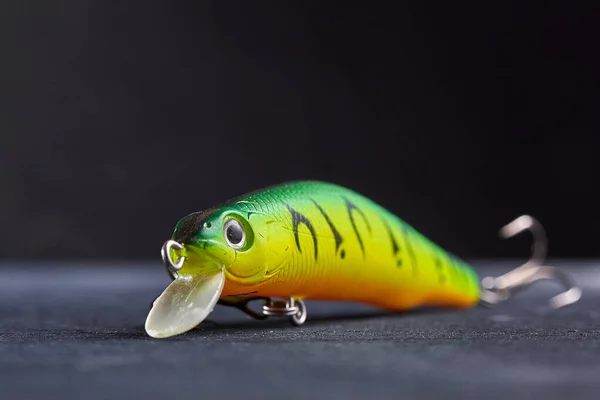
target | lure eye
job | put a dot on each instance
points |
(234, 234)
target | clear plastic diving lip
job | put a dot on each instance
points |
(185, 303)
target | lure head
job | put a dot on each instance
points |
(225, 237)
(217, 245)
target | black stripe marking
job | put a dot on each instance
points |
(411, 253)
(338, 238)
(395, 247)
(298, 219)
(351, 206)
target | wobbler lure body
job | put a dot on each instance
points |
(307, 240)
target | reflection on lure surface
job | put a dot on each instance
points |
(316, 240)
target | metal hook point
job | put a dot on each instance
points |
(165, 252)
(572, 293)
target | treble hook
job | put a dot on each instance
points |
(496, 290)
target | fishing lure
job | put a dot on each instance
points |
(317, 240)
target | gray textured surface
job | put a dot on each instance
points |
(77, 332)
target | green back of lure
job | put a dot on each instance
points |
(325, 241)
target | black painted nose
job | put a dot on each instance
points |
(189, 226)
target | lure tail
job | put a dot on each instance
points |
(433, 276)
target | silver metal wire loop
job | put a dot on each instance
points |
(296, 309)
(280, 307)
(165, 252)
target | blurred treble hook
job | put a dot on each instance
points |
(499, 289)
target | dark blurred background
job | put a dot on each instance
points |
(118, 118)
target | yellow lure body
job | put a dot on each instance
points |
(326, 242)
